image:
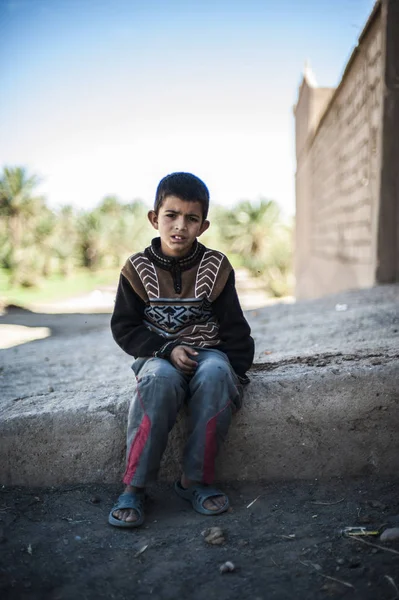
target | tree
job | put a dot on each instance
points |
(124, 229)
(248, 226)
(113, 229)
(43, 239)
(65, 239)
(17, 206)
(255, 231)
(89, 239)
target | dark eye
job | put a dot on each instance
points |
(194, 219)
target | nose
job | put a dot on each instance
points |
(180, 224)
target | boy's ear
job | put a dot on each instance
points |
(153, 218)
(204, 227)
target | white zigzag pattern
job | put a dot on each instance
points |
(202, 332)
(207, 273)
(194, 338)
(148, 275)
(208, 328)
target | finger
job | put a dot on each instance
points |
(190, 351)
(187, 367)
(189, 363)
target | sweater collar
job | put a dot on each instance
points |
(170, 263)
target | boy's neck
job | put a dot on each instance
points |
(157, 245)
(155, 254)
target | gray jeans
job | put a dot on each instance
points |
(213, 393)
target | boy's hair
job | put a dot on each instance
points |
(185, 186)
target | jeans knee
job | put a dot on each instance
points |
(159, 380)
(214, 369)
(156, 368)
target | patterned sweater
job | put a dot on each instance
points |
(163, 301)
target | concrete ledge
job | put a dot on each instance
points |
(315, 423)
(297, 422)
(323, 400)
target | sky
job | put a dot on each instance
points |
(103, 97)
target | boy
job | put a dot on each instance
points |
(177, 312)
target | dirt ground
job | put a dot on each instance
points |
(56, 543)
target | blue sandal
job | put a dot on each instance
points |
(197, 494)
(131, 500)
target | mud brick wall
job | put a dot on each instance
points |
(345, 161)
(346, 170)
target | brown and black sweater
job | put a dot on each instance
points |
(162, 302)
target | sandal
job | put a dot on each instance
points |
(128, 500)
(197, 494)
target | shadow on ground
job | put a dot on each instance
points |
(56, 544)
(60, 324)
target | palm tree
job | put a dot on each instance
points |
(66, 239)
(113, 228)
(248, 226)
(44, 239)
(17, 206)
(125, 228)
(90, 239)
(138, 232)
(255, 231)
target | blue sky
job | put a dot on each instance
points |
(107, 96)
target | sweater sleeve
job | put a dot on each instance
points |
(234, 330)
(127, 325)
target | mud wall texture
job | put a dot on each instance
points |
(340, 154)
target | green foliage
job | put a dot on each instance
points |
(19, 211)
(261, 241)
(56, 286)
(37, 243)
(65, 240)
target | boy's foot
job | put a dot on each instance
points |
(129, 515)
(212, 503)
(204, 499)
(129, 509)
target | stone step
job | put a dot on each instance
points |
(297, 422)
(323, 398)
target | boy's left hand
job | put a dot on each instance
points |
(180, 358)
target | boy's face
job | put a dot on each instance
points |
(179, 224)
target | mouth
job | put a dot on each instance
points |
(178, 238)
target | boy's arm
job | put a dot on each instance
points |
(234, 330)
(128, 329)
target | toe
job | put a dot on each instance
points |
(131, 516)
(128, 515)
(219, 501)
(215, 503)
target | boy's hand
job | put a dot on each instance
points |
(180, 358)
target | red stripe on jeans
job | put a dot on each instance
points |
(136, 449)
(211, 448)
(138, 444)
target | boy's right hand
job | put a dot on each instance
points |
(180, 358)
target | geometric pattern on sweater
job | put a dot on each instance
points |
(195, 334)
(173, 316)
(203, 335)
(187, 313)
(207, 273)
(147, 273)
